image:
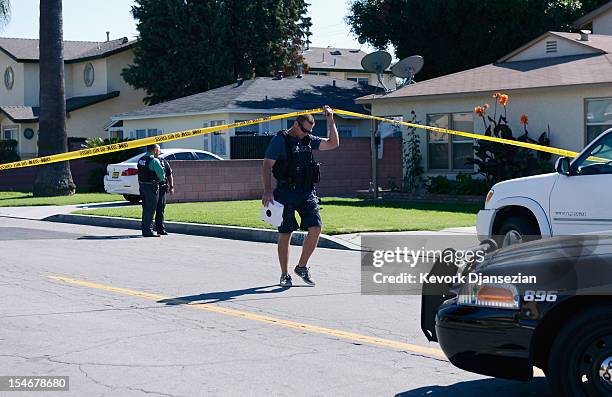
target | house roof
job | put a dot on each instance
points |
(29, 114)
(26, 50)
(331, 58)
(600, 43)
(262, 93)
(588, 18)
(537, 73)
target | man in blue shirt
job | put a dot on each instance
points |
(289, 157)
(150, 175)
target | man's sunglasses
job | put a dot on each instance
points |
(304, 130)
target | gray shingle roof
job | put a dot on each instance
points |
(25, 114)
(27, 49)
(265, 93)
(538, 73)
(334, 58)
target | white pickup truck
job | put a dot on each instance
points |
(576, 199)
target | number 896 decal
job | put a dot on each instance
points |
(540, 296)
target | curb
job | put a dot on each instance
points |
(198, 229)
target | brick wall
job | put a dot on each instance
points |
(344, 171)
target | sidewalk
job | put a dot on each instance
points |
(63, 214)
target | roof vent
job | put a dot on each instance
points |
(551, 46)
(299, 71)
(107, 36)
(584, 35)
(336, 52)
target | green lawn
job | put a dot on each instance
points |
(19, 199)
(340, 215)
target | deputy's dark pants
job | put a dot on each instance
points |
(161, 207)
(149, 193)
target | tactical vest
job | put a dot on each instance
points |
(298, 169)
(145, 174)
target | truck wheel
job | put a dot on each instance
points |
(580, 361)
(515, 230)
(132, 198)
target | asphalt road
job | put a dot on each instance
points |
(193, 316)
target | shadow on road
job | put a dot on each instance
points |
(110, 237)
(221, 296)
(484, 387)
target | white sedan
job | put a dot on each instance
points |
(122, 178)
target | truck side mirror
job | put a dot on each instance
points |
(562, 166)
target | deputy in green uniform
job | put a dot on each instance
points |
(150, 175)
(164, 187)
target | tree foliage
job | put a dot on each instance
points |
(454, 35)
(190, 46)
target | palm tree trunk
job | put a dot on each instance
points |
(52, 179)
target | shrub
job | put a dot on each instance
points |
(499, 162)
(96, 177)
(8, 151)
(463, 185)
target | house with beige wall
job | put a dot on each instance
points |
(94, 88)
(343, 63)
(561, 81)
(246, 100)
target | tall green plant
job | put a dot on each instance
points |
(412, 159)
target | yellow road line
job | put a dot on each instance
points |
(350, 336)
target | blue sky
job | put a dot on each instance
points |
(90, 19)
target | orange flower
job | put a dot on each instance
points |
(486, 106)
(496, 95)
(503, 99)
(524, 119)
(480, 110)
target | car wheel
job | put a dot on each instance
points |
(516, 230)
(580, 361)
(132, 198)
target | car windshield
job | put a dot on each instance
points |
(600, 155)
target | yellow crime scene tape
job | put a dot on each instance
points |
(173, 136)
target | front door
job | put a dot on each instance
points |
(582, 201)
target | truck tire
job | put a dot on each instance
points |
(132, 198)
(580, 361)
(516, 229)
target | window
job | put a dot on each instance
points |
(450, 152)
(345, 131)
(9, 78)
(252, 129)
(218, 139)
(598, 117)
(319, 73)
(360, 80)
(598, 160)
(184, 156)
(116, 134)
(145, 133)
(205, 156)
(88, 74)
(9, 133)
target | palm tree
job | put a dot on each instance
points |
(52, 179)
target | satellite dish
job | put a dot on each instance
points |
(377, 62)
(408, 67)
